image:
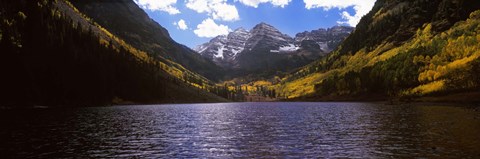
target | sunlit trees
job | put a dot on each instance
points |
(431, 62)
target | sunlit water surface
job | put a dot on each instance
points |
(278, 130)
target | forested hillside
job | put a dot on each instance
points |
(400, 49)
(53, 55)
(128, 21)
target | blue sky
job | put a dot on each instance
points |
(193, 22)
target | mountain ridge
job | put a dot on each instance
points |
(265, 49)
(124, 18)
(58, 57)
(321, 36)
(328, 39)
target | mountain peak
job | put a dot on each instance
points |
(328, 39)
(267, 29)
(341, 28)
(262, 25)
(224, 50)
(241, 29)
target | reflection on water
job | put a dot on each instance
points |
(243, 130)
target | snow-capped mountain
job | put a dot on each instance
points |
(224, 49)
(327, 39)
(266, 39)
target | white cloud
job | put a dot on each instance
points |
(160, 5)
(361, 8)
(209, 29)
(255, 3)
(217, 9)
(181, 24)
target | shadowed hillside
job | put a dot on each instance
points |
(128, 21)
(53, 55)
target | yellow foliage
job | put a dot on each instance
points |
(449, 51)
(72, 6)
(22, 15)
(172, 68)
(302, 86)
(382, 53)
(457, 53)
(262, 83)
(418, 59)
(355, 62)
(426, 88)
(103, 42)
(423, 37)
(475, 15)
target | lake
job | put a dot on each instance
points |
(246, 130)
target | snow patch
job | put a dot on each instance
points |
(220, 52)
(288, 48)
(235, 52)
(201, 49)
(323, 46)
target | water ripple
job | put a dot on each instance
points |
(245, 130)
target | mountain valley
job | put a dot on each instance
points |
(77, 53)
(126, 79)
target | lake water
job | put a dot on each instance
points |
(247, 130)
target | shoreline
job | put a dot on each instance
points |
(456, 99)
(386, 103)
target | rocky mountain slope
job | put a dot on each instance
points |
(224, 49)
(265, 49)
(327, 39)
(266, 37)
